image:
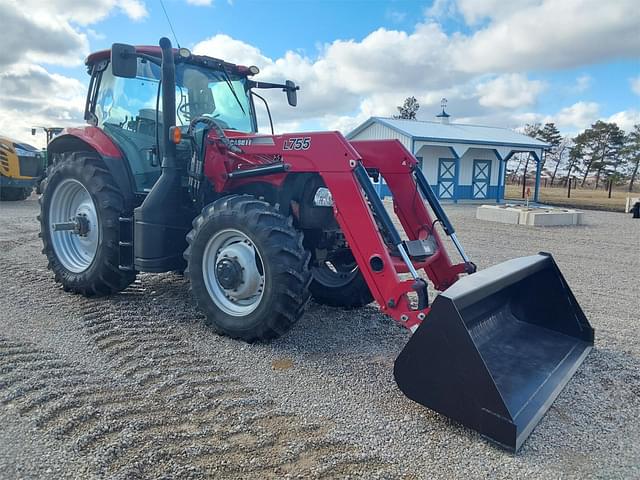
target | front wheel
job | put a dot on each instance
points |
(247, 267)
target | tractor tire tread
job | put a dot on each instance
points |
(103, 277)
(288, 261)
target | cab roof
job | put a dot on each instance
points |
(155, 51)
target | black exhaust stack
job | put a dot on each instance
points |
(164, 218)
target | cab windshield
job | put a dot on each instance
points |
(125, 109)
(199, 92)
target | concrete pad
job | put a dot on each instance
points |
(533, 216)
(498, 213)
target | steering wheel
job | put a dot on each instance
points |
(187, 107)
(217, 126)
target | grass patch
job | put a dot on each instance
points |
(580, 197)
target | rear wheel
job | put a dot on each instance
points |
(80, 228)
(247, 268)
(338, 282)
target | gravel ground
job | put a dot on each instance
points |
(134, 386)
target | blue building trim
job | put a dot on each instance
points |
(465, 192)
(501, 168)
(486, 181)
(456, 176)
(536, 192)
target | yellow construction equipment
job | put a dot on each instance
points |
(21, 166)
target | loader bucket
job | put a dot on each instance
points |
(497, 348)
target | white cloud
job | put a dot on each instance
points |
(570, 120)
(51, 33)
(549, 34)
(48, 40)
(82, 12)
(347, 72)
(578, 116)
(483, 74)
(512, 90)
(134, 9)
(30, 95)
(626, 119)
(441, 9)
(575, 118)
(483, 71)
(230, 49)
(200, 3)
(635, 85)
(583, 82)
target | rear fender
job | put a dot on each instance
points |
(92, 139)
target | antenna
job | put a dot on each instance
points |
(175, 37)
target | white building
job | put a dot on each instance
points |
(461, 162)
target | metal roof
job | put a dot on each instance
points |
(454, 132)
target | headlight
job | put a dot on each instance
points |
(323, 198)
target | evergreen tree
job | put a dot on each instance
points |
(601, 147)
(559, 155)
(551, 135)
(409, 109)
(533, 130)
(632, 153)
(573, 164)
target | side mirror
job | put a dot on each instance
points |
(124, 62)
(292, 95)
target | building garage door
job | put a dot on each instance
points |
(481, 178)
(447, 178)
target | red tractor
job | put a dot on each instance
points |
(171, 174)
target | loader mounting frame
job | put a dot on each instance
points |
(342, 166)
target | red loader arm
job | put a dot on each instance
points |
(338, 163)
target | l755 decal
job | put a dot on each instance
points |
(297, 143)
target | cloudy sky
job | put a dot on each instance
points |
(498, 62)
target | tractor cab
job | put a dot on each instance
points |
(129, 108)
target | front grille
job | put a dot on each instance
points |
(4, 160)
(30, 166)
